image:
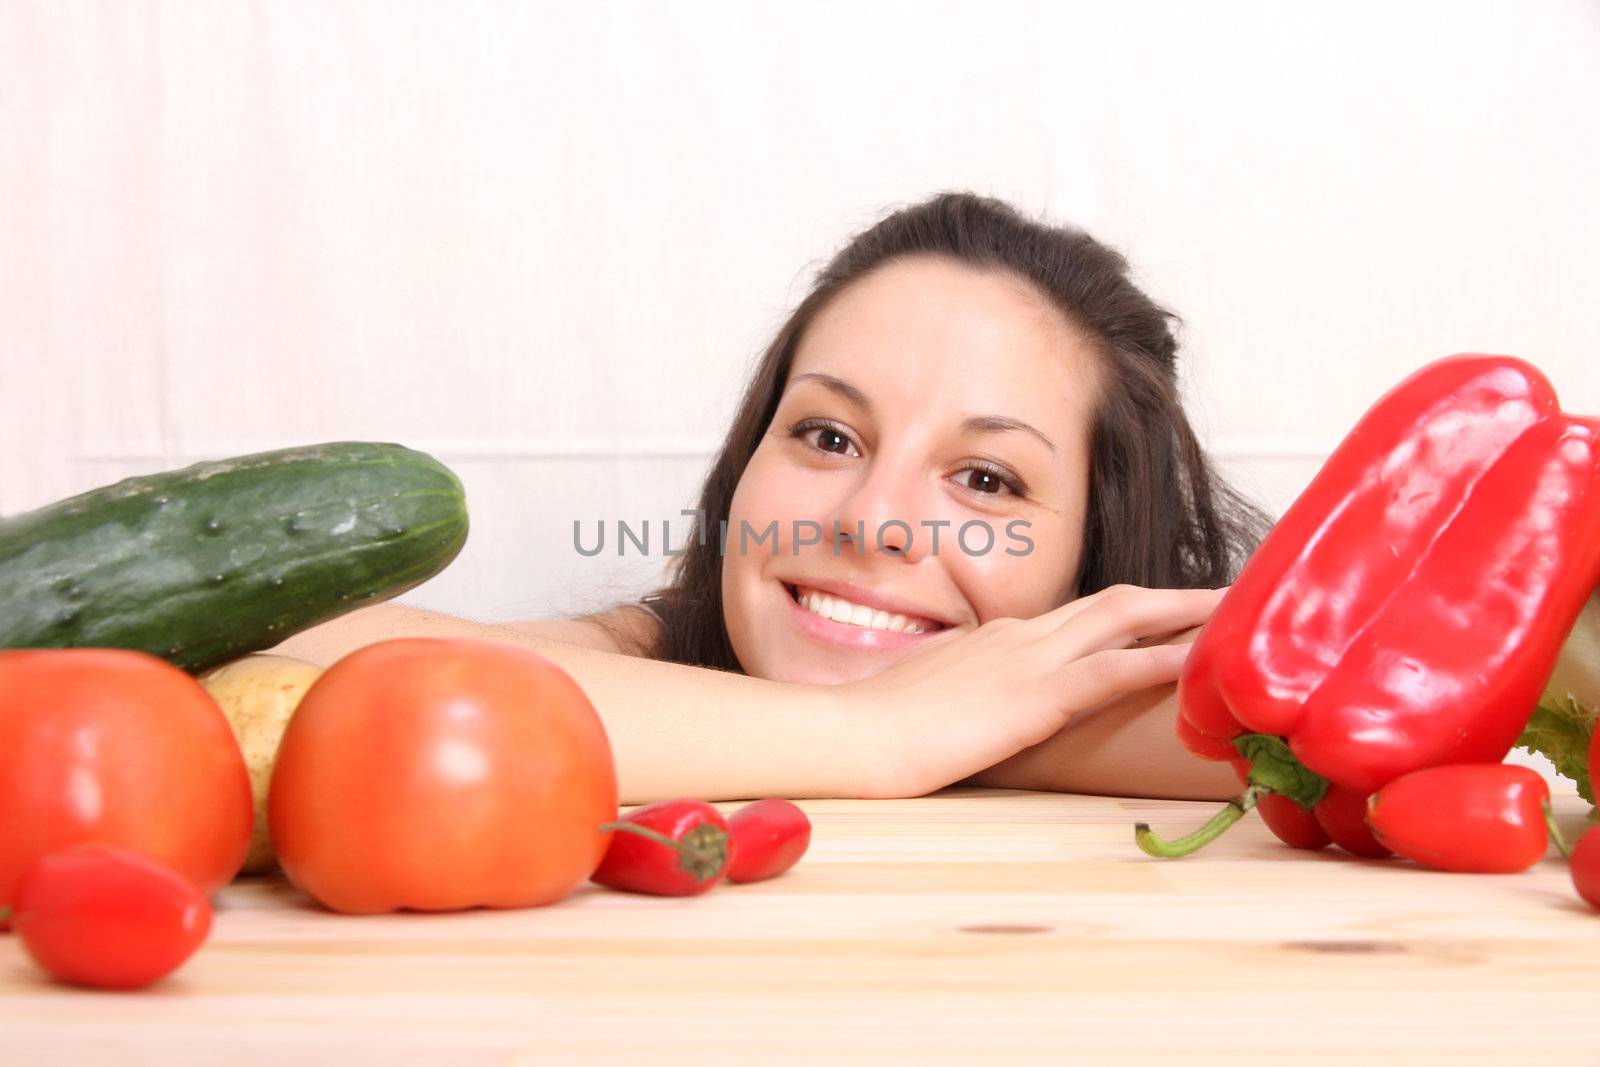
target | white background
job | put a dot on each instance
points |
(546, 241)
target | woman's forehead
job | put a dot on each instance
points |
(929, 334)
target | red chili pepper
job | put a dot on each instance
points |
(674, 848)
(107, 916)
(1491, 818)
(1409, 607)
(769, 837)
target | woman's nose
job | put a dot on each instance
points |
(883, 513)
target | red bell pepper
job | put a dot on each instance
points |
(1408, 608)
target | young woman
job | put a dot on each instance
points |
(960, 530)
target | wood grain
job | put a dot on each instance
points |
(967, 926)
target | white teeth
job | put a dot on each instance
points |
(840, 610)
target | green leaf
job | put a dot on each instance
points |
(1275, 768)
(1560, 731)
(1564, 721)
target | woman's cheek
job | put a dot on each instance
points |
(1014, 578)
(757, 502)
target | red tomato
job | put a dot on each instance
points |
(106, 916)
(436, 774)
(107, 745)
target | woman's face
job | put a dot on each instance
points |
(928, 402)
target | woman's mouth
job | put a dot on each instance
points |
(837, 621)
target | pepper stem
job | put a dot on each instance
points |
(702, 852)
(5, 913)
(1232, 813)
(1555, 833)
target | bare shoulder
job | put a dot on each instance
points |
(626, 629)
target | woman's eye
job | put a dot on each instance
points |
(979, 478)
(991, 482)
(824, 438)
(832, 440)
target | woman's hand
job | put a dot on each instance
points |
(966, 700)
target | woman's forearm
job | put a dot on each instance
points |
(1126, 747)
(674, 730)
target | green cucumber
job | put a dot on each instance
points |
(204, 564)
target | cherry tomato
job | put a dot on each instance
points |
(1586, 867)
(441, 773)
(1293, 825)
(107, 916)
(769, 837)
(1479, 817)
(1343, 814)
(118, 747)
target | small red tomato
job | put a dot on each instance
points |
(106, 916)
(1293, 825)
(1586, 867)
(1342, 813)
(1487, 818)
(673, 848)
(769, 837)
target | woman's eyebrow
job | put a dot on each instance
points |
(1001, 424)
(840, 386)
(970, 424)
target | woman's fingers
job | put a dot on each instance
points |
(1079, 684)
(1102, 675)
(965, 700)
(1125, 614)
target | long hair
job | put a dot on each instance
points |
(1158, 513)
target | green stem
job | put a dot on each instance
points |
(5, 913)
(643, 831)
(1223, 819)
(1555, 834)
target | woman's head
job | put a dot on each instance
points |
(956, 367)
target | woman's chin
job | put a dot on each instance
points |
(834, 669)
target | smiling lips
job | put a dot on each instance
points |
(838, 609)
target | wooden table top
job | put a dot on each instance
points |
(968, 926)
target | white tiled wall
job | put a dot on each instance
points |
(546, 241)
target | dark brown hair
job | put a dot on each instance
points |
(1158, 514)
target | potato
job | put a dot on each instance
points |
(258, 694)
